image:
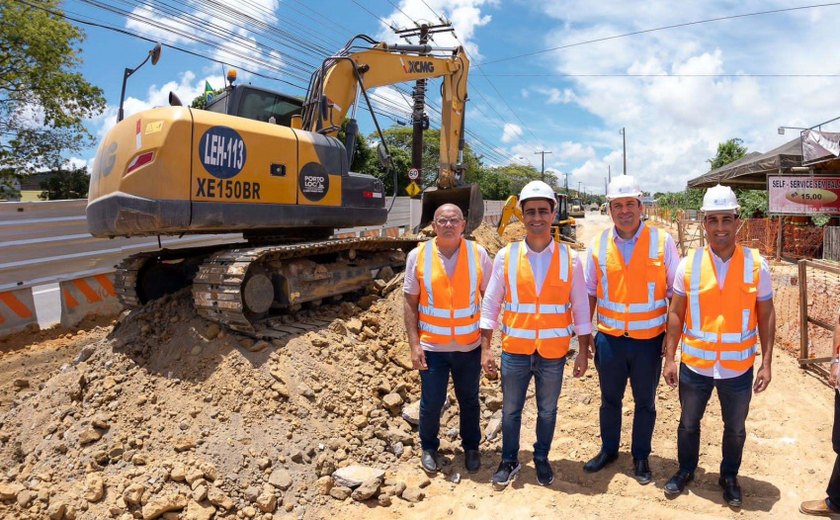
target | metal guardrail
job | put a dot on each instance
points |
(48, 242)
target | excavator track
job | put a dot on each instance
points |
(126, 278)
(221, 286)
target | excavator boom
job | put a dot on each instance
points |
(337, 85)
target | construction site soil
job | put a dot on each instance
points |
(160, 414)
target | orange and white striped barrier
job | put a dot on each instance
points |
(17, 311)
(82, 297)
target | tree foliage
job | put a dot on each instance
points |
(752, 202)
(201, 100)
(727, 152)
(43, 100)
(399, 141)
(66, 184)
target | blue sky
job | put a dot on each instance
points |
(678, 92)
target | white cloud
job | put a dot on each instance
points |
(511, 132)
(675, 123)
(465, 16)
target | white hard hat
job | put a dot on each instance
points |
(537, 190)
(720, 198)
(623, 186)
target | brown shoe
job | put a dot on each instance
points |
(818, 508)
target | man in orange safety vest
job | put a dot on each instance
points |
(539, 283)
(721, 311)
(444, 282)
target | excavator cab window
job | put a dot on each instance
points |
(263, 106)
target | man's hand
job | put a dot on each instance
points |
(488, 363)
(834, 374)
(762, 379)
(670, 373)
(418, 358)
(581, 364)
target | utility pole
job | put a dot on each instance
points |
(624, 149)
(566, 183)
(419, 119)
(609, 173)
(542, 170)
(578, 189)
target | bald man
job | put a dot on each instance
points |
(445, 279)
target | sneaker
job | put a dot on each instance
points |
(505, 474)
(545, 475)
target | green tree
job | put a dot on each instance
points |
(727, 152)
(43, 100)
(200, 100)
(399, 140)
(66, 184)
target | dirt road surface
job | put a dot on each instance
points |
(121, 433)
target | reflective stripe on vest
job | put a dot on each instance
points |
(703, 348)
(639, 319)
(440, 322)
(532, 322)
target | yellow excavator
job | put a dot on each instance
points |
(563, 228)
(278, 175)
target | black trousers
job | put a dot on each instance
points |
(833, 490)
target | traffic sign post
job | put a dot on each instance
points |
(413, 189)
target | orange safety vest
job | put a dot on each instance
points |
(720, 324)
(449, 308)
(632, 298)
(537, 322)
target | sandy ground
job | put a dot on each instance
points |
(787, 458)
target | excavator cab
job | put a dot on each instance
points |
(466, 197)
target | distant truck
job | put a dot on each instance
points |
(577, 209)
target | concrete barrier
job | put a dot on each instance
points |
(17, 311)
(91, 296)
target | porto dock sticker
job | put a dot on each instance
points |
(223, 153)
(314, 182)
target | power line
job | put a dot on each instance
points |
(662, 28)
(749, 75)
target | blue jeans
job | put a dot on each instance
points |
(517, 370)
(734, 394)
(618, 358)
(465, 368)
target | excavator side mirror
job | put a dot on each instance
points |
(384, 157)
(174, 100)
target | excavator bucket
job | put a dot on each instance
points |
(467, 197)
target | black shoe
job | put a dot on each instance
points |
(598, 462)
(731, 491)
(472, 460)
(641, 471)
(429, 461)
(677, 483)
(505, 474)
(545, 475)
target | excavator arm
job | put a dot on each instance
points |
(344, 78)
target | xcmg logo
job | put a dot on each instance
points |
(416, 67)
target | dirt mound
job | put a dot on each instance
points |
(171, 413)
(487, 236)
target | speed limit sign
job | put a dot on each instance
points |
(413, 173)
